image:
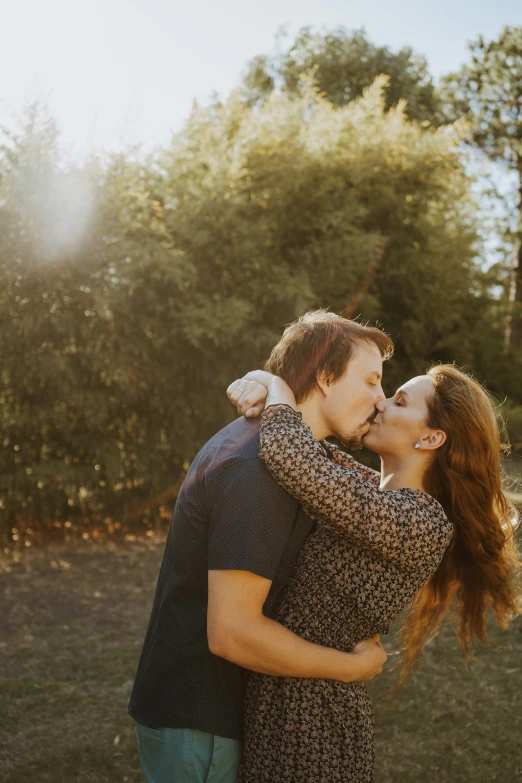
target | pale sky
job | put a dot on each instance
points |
(123, 71)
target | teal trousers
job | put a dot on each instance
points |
(187, 756)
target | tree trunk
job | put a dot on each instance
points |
(365, 283)
(515, 331)
(514, 322)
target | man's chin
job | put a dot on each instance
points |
(354, 443)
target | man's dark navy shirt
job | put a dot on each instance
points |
(230, 514)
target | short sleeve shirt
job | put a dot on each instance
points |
(230, 514)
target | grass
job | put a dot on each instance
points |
(69, 645)
(456, 725)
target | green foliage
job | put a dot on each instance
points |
(120, 337)
(488, 93)
(344, 63)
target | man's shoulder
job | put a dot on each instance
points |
(230, 462)
(237, 444)
(228, 465)
(239, 440)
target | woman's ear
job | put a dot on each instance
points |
(434, 440)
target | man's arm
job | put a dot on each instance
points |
(239, 631)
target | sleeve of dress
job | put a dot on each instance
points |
(345, 460)
(405, 526)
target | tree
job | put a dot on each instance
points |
(117, 350)
(53, 332)
(488, 93)
(344, 63)
(292, 205)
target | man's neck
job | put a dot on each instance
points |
(314, 418)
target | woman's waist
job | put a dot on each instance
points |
(322, 613)
(341, 633)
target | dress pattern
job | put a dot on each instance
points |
(373, 550)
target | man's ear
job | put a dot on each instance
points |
(324, 382)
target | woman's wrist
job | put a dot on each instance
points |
(280, 393)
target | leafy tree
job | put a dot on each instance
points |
(52, 334)
(119, 346)
(300, 204)
(488, 92)
(344, 63)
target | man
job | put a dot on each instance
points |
(233, 544)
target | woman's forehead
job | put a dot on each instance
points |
(420, 386)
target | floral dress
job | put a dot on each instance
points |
(373, 550)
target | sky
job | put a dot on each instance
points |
(119, 72)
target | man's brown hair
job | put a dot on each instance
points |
(321, 343)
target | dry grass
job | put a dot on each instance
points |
(75, 621)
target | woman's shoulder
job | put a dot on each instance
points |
(430, 507)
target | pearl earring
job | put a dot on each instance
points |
(417, 445)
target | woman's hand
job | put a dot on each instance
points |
(249, 397)
(258, 389)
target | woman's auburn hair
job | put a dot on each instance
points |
(481, 566)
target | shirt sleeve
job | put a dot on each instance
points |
(405, 526)
(251, 518)
(345, 460)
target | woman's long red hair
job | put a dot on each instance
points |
(481, 567)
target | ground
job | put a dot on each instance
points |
(76, 618)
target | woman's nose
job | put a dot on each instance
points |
(381, 405)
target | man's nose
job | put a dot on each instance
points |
(380, 394)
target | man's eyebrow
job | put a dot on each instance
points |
(377, 374)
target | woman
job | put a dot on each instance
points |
(432, 526)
